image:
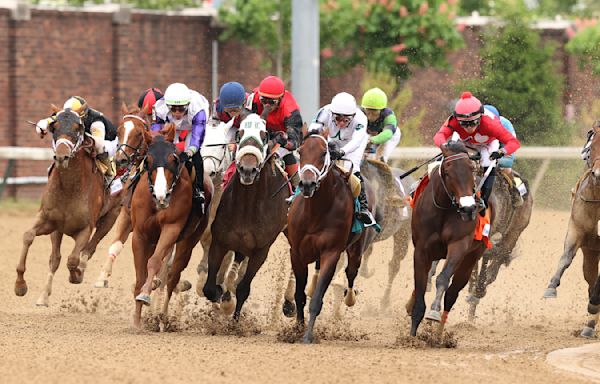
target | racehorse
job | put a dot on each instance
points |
(251, 214)
(509, 223)
(163, 215)
(395, 216)
(583, 231)
(444, 226)
(128, 157)
(72, 202)
(319, 227)
(217, 157)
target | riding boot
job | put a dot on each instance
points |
(486, 190)
(106, 166)
(198, 185)
(363, 213)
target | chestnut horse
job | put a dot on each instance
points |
(130, 153)
(162, 215)
(443, 227)
(319, 227)
(251, 214)
(72, 202)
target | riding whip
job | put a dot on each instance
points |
(413, 169)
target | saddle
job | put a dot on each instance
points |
(353, 180)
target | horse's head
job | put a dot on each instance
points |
(252, 148)
(68, 133)
(315, 161)
(131, 136)
(162, 165)
(594, 158)
(456, 172)
(215, 152)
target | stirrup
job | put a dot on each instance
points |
(367, 218)
(290, 199)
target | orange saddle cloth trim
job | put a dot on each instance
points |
(482, 229)
(420, 188)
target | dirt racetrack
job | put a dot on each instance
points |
(86, 334)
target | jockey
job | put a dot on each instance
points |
(279, 109)
(188, 109)
(231, 105)
(485, 131)
(382, 122)
(102, 130)
(348, 139)
(147, 100)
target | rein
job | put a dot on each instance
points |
(173, 184)
(320, 173)
(452, 199)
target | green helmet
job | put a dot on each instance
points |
(374, 98)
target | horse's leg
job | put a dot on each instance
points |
(364, 270)
(590, 267)
(183, 254)
(593, 311)
(41, 227)
(572, 244)
(56, 238)
(103, 226)
(315, 278)
(141, 254)
(231, 278)
(123, 230)
(202, 268)
(479, 282)
(456, 250)
(242, 292)
(211, 290)
(399, 253)
(327, 265)
(354, 260)
(421, 267)
(459, 280)
(75, 262)
(431, 273)
(300, 270)
(289, 306)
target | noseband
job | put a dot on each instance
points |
(173, 183)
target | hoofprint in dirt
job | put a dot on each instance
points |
(91, 328)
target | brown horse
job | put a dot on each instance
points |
(319, 227)
(131, 151)
(251, 214)
(583, 227)
(72, 201)
(443, 227)
(163, 215)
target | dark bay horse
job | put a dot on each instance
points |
(162, 216)
(72, 202)
(443, 227)
(131, 151)
(319, 227)
(251, 214)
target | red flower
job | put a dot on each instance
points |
(443, 7)
(423, 8)
(326, 53)
(403, 11)
(398, 47)
(401, 59)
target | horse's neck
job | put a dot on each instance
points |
(70, 179)
(439, 191)
(259, 191)
(327, 192)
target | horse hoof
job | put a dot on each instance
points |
(308, 338)
(550, 293)
(472, 299)
(42, 303)
(289, 309)
(76, 278)
(227, 303)
(101, 284)
(434, 316)
(156, 283)
(587, 333)
(143, 298)
(20, 289)
(183, 286)
(366, 272)
(350, 297)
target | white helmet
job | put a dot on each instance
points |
(177, 94)
(343, 104)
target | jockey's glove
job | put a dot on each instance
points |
(281, 139)
(184, 157)
(42, 126)
(497, 154)
(338, 154)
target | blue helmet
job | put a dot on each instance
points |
(492, 109)
(232, 95)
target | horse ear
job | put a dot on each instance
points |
(304, 129)
(54, 109)
(124, 109)
(144, 111)
(168, 132)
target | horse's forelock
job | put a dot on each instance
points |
(456, 147)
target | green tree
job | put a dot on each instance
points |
(379, 33)
(585, 45)
(520, 79)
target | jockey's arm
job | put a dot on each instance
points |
(293, 129)
(443, 134)
(389, 128)
(198, 131)
(359, 136)
(511, 143)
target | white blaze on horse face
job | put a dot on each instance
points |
(466, 201)
(160, 184)
(129, 126)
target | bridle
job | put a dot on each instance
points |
(137, 151)
(176, 173)
(73, 147)
(453, 200)
(319, 173)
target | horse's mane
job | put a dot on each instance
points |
(456, 147)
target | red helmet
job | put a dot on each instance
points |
(468, 108)
(271, 87)
(148, 98)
